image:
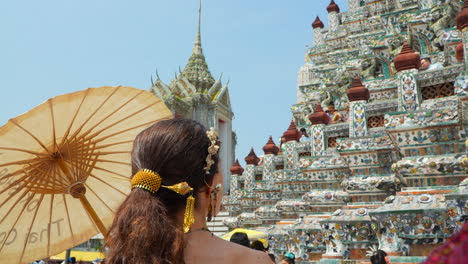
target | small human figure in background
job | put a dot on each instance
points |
(262, 245)
(71, 260)
(334, 115)
(380, 257)
(427, 65)
(281, 141)
(305, 136)
(258, 245)
(288, 258)
(240, 238)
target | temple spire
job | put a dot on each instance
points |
(197, 49)
(196, 69)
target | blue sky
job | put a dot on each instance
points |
(60, 46)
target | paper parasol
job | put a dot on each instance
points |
(65, 168)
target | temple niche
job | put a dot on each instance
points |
(383, 101)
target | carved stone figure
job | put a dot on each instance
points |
(443, 17)
(369, 68)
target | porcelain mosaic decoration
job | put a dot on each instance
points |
(383, 162)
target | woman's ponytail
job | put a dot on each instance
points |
(143, 233)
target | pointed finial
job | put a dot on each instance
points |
(270, 147)
(236, 168)
(157, 75)
(407, 59)
(252, 158)
(317, 23)
(292, 132)
(180, 71)
(319, 116)
(333, 7)
(197, 49)
(357, 91)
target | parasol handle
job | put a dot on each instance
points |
(97, 221)
(78, 190)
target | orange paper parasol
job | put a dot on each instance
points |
(65, 168)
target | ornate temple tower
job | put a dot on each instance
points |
(195, 94)
(333, 15)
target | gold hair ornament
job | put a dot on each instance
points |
(151, 181)
(212, 149)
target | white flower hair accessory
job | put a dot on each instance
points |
(372, 251)
(212, 149)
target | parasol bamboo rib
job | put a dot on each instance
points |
(26, 151)
(67, 132)
(114, 144)
(114, 152)
(99, 198)
(30, 134)
(54, 138)
(126, 130)
(22, 162)
(17, 219)
(87, 206)
(112, 113)
(125, 118)
(50, 223)
(30, 227)
(115, 162)
(68, 218)
(99, 179)
(78, 130)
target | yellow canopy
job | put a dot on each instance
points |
(80, 255)
(252, 234)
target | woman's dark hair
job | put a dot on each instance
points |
(378, 257)
(240, 238)
(289, 260)
(258, 245)
(272, 257)
(145, 229)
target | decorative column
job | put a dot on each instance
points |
(236, 171)
(250, 199)
(318, 26)
(318, 119)
(333, 18)
(291, 157)
(249, 175)
(270, 150)
(271, 193)
(358, 96)
(231, 202)
(407, 64)
(461, 84)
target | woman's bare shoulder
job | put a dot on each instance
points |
(255, 256)
(246, 255)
